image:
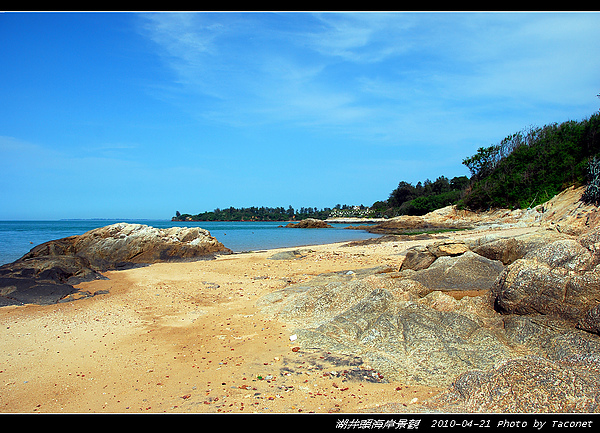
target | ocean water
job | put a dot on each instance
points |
(18, 237)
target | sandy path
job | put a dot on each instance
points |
(186, 338)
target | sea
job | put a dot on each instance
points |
(19, 237)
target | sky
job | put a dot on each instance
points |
(139, 115)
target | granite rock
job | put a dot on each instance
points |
(468, 271)
(49, 272)
(561, 279)
(524, 385)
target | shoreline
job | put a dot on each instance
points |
(189, 338)
(208, 336)
(20, 242)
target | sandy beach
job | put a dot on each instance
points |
(189, 338)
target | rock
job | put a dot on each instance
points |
(469, 271)
(382, 319)
(410, 224)
(408, 341)
(421, 257)
(43, 280)
(399, 225)
(323, 297)
(448, 248)
(507, 250)
(566, 213)
(550, 337)
(554, 368)
(561, 279)
(121, 245)
(29, 291)
(590, 321)
(591, 241)
(525, 385)
(49, 271)
(290, 255)
(309, 223)
(417, 258)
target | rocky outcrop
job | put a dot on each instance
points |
(557, 370)
(49, 271)
(505, 324)
(509, 249)
(522, 385)
(560, 279)
(309, 223)
(564, 213)
(407, 224)
(123, 244)
(468, 271)
(396, 325)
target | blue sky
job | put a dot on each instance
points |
(138, 115)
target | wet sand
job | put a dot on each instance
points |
(188, 338)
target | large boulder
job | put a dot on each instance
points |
(509, 249)
(560, 279)
(123, 244)
(466, 272)
(49, 271)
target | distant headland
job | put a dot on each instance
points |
(276, 213)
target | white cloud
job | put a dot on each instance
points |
(361, 37)
(370, 72)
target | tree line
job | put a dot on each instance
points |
(256, 214)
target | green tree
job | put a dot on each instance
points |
(484, 161)
(403, 193)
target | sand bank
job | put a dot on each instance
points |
(187, 337)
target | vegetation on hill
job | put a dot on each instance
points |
(525, 169)
(530, 167)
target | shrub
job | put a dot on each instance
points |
(591, 195)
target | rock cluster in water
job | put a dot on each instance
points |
(49, 271)
(309, 223)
